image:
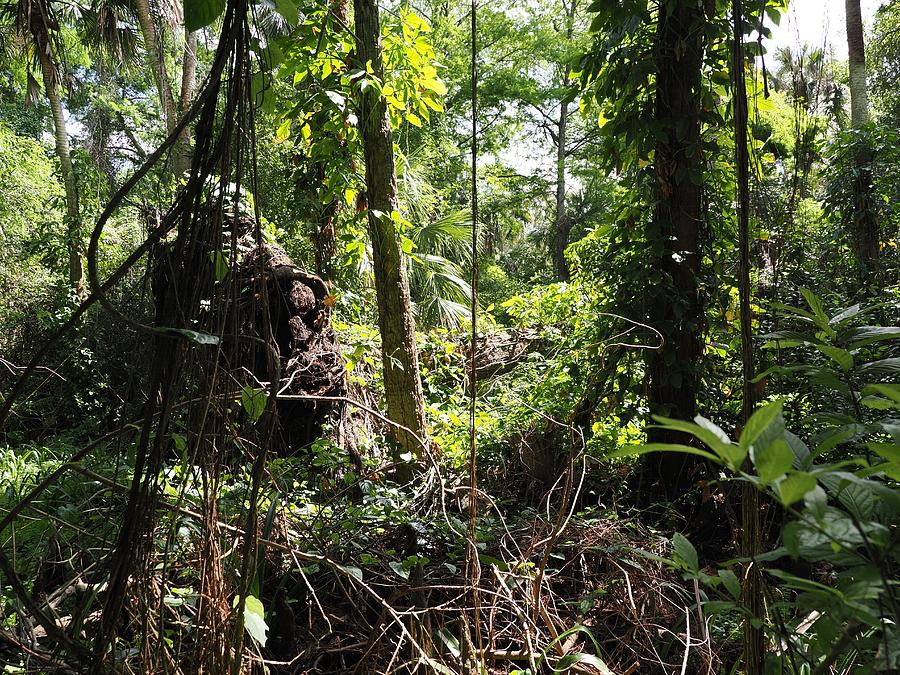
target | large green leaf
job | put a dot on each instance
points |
(201, 13)
(865, 335)
(883, 367)
(840, 356)
(685, 552)
(760, 422)
(254, 618)
(708, 433)
(772, 460)
(795, 487)
(254, 401)
(647, 448)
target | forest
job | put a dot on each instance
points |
(450, 336)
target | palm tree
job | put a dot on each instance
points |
(170, 108)
(38, 27)
(441, 294)
(108, 29)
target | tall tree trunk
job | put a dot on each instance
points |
(865, 226)
(157, 62)
(675, 306)
(856, 52)
(562, 225)
(751, 536)
(182, 151)
(61, 134)
(402, 384)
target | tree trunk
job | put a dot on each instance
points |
(562, 225)
(157, 62)
(751, 537)
(865, 226)
(859, 94)
(182, 151)
(675, 305)
(402, 384)
(61, 134)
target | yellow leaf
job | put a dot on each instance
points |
(435, 85)
(284, 132)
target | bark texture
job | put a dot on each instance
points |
(50, 75)
(402, 384)
(157, 62)
(864, 224)
(562, 225)
(856, 54)
(675, 307)
(181, 161)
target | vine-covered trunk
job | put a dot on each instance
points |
(325, 239)
(73, 213)
(402, 384)
(673, 232)
(865, 226)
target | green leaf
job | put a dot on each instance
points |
(220, 262)
(288, 11)
(731, 583)
(883, 367)
(795, 487)
(889, 451)
(772, 460)
(703, 430)
(840, 356)
(845, 314)
(685, 552)
(354, 572)
(201, 13)
(815, 304)
(566, 662)
(891, 391)
(399, 569)
(866, 335)
(254, 401)
(647, 448)
(449, 639)
(759, 422)
(254, 618)
(195, 336)
(283, 132)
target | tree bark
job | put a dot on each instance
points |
(562, 225)
(402, 384)
(675, 304)
(859, 94)
(751, 536)
(61, 135)
(182, 151)
(157, 62)
(865, 226)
